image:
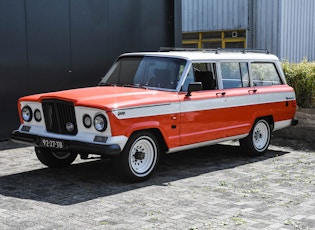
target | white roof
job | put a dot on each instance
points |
(210, 55)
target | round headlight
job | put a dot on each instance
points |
(37, 115)
(27, 113)
(100, 123)
(87, 121)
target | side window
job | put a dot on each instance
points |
(234, 74)
(265, 74)
(244, 74)
(204, 73)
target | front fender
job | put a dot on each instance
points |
(142, 126)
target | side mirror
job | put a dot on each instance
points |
(193, 86)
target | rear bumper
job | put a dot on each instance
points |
(69, 145)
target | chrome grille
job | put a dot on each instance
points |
(59, 117)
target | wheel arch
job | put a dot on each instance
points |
(158, 134)
(151, 126)
(269, 119)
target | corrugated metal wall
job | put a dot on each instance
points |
(264, 32)
(297, 30)
(210, 15)
(284, 27)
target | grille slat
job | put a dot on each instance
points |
(58, 116)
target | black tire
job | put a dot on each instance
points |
(54, 159)
(139, 157)
(258, 140)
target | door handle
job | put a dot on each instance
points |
(222, 93)
(252, 90)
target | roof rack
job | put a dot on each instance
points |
(217, 51)
(167, 49)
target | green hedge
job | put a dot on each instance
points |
(301, 77)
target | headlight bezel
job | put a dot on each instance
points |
(27, 116)
(36, 114)
(87, 123)
(97, 122)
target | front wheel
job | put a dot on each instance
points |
(140, 156)
(258, 140)
(54, 159)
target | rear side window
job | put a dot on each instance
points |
(265, 74)
(234, 74)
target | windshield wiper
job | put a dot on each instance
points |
(124, 85)
(135, 86)
(106, 84)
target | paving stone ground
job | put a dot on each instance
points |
(214, 187)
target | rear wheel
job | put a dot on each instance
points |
(258, 140)
(140, 156)
(54, 159)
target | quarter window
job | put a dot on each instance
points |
(265, 74)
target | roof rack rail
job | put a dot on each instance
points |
(245, 50)
(217, 51)
(167, 49)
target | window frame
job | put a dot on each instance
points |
(218, 72)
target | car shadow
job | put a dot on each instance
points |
(6, 144)
(94, 179)
(295, 144)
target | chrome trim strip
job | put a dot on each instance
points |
(206, 143)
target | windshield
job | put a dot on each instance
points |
(145, 71)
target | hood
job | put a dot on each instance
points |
(107, 97)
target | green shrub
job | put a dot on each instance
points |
(301, 77)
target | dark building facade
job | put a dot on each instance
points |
(52, 45)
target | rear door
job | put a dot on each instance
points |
(241, 98)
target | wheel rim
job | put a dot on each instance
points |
(61, 155)
(142, 156)
(261, 136)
